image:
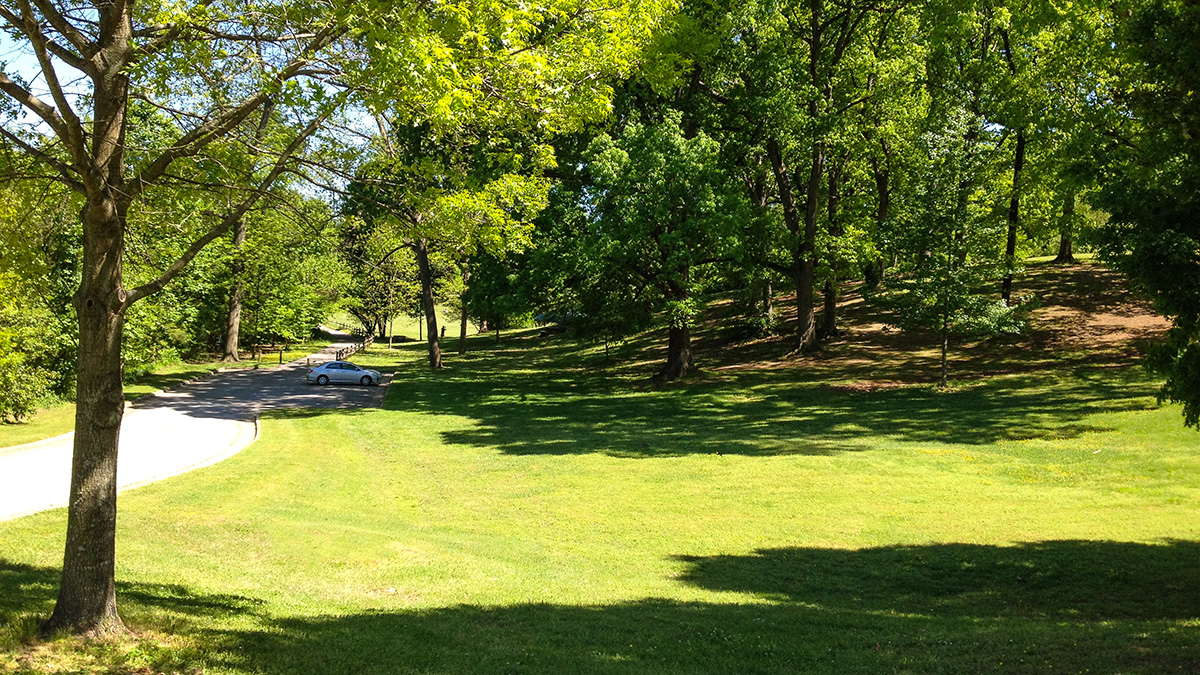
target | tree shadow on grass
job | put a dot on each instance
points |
(1092, 581)
(26, 589)
(526, 405)
(1054, 606)
(1068, 606)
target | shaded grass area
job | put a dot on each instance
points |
(532, 408)
(537, 508)
(1062, 606)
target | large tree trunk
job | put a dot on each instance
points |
(679, 353)
(1066, 256)
(1014, 216)
(87, 601)
(679, 335)
(233, 322)
(421, 246)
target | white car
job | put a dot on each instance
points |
(341, 371)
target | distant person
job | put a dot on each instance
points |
(443, 331)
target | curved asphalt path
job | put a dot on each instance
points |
(172, 432)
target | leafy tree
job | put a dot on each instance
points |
(951, 243)
(791, 83)
(663, 209)
(383, 271)
(211, 66)
(39, 244)
(465, 192)
(1153, 235)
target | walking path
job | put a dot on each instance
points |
(172, 432)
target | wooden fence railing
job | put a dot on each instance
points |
(361, 342)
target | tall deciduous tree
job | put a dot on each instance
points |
(663, 208)
(950, 242)
(91, 62)
(466, 191)
(1154, 231)
(211, 66)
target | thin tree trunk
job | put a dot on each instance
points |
(806, 333)
(806, 293)
(1014, 216)
(462, 331)
(435, 350)
(1066, 256)
(87, 601)
(884, 191)
(233, 321)
(829, 327)
(800, 269)
(462, 322)
(945, 351)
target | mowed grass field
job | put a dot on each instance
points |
(539, 508)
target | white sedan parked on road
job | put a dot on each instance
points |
(341, 371)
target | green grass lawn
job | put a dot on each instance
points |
(536, 508)
(409, 327)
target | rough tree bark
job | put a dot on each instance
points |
(233, 322)
(87, 601)
(421, 247)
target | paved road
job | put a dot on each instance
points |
(176, 431)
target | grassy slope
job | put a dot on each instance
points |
(536, 509)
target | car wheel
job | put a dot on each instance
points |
(366, 379)
(322, 379)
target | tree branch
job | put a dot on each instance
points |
(197, 139)
(68, 174)
(34, 104)
(74, 137)
(231, 217)
(85, 46)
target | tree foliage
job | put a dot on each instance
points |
(1154, 231)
